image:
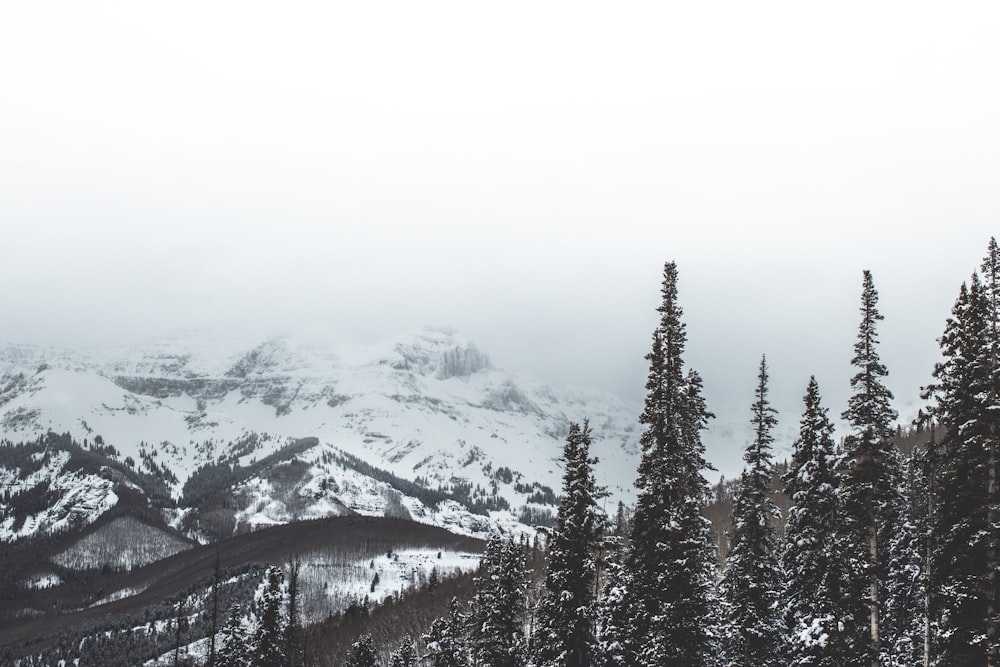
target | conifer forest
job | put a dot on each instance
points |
(874, 546)
(882, 559)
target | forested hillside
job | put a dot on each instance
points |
(879, 547)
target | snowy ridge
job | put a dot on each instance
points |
(429, 406)
(318, 484)
(76, 498)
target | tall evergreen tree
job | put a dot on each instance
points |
(615, 612)
(961, 559)
(927, 463)
(445, 642)
(869, 486)
(990, 365)
(269, 640)
(496, 632)
(671, 556)
(566, 613)
(903, 627)
(752, 577)
(363, 653)
(233, 652)
(406, 656)
(814, 567)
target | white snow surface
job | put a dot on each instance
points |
(430, 405)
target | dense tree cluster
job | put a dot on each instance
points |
(885, 560)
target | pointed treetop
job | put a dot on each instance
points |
(763, 419)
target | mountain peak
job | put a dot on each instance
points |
(440, 352)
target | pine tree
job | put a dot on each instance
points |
(990, 365)
(752, 577)
(444, 641)
(233, 652)
(496, 633)
(814, 567)
(363, 653)
(406, 656)
(565, 634)
(903, 627)
(294, 649)
(961, 569)
(869, 486)
(927, 464)
(671, 557)
(615, 612)
(269, 640)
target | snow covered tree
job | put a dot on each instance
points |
(565, 631)
(406, 656)
(903, 627)
(445, 643)
(926, 464)
(869, 486)
(615, 612)
(269, 640)
(814, 567)
(363, 653)
(990, 364)
(496, 632)
(233, 652)
(963, 557)
(671, 555)
(752, 576)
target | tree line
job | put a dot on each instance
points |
(885, 559)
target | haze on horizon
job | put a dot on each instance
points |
(518, 172)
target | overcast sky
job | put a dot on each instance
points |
(520, 171)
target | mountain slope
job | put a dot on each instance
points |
(429, 407)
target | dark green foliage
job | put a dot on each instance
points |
(406, 656)
(566, 614)
(269, 640)
(671, 558)
(234, 649)
(614, 611)
(814, 567)
(752, 578)
(869, 488)
(903, 627)
(363, 653)
(445, 641)
(963, 567)
(495, 632)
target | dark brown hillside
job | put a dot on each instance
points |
(341, 536)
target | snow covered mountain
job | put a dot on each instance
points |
(429, 408)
